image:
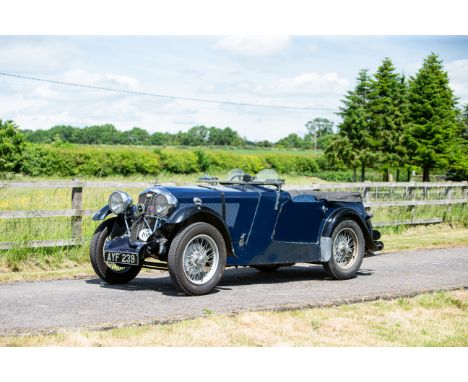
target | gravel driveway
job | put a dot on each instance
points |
(49, 305)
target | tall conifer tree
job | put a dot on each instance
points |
(388, 109)
(433, 117)
(352, 146)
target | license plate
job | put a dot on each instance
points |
(121, 258)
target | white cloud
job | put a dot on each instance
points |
(458, 74)
(111, 80)
(230, 87)
(253, 45)
(37, 56)
(309, 83)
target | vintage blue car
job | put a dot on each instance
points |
(196, 232)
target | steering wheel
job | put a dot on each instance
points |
(240, 176)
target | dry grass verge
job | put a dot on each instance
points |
(434, 319)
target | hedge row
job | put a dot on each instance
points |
(47, 161)
(102, 161)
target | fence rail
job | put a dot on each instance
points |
(369, 190)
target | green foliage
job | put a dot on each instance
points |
(86, 160)
(11, 147)
(432, 134)
(291, 141)
(388, 109)
(320, 126)
(224, 137)
(225, 160)
(324, 141)
(352, 145)
(335, 176)
(458, 163)
(68, 160)
(179, 161)
(464, 121)
(109, 135)
(390, 124)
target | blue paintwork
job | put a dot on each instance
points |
(258, 232)
(102, 213)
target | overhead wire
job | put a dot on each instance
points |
(135, 92)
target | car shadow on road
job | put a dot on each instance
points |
(232, 278)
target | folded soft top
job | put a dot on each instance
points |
(351, 197)
(338, 196)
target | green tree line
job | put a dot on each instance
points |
(393, 122)
(196, 136)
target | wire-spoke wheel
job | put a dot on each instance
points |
(197, 258)
(201, 258)
(347, 250)
(110, 272)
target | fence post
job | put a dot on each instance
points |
(77, 204)
(448, 196)
(411, 195)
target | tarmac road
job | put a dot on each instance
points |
(52, 305)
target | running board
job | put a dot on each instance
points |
(158, 265)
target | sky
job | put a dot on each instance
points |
(299, 71)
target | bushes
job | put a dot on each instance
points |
(296, 164)
(93, 161)
(179, 161)
(11, 147)
(227, 160)
(75, 160)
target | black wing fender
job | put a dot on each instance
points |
(330, 223)
(102, 213)
(194, 214)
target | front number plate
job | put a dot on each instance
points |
(121, 258)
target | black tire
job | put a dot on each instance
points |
(96, 255)
(267, 268)
(342, 272)
(176, 258)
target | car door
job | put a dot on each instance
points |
(299, 220)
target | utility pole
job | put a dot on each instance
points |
(315, 141)
(312, 128)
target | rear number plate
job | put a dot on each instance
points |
(121, 258)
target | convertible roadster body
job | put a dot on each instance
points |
(195, 232)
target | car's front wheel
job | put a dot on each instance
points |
(347, 250)
(109, 272)
(197, 258)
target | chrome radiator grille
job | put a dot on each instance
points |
(147, 200)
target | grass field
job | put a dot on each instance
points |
(435, 319)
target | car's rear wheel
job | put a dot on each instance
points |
(197, 258)
(111, 273)
(347, 250)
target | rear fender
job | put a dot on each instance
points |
(194, 214)
(331, 222)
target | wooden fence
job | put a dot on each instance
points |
(375, 195)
